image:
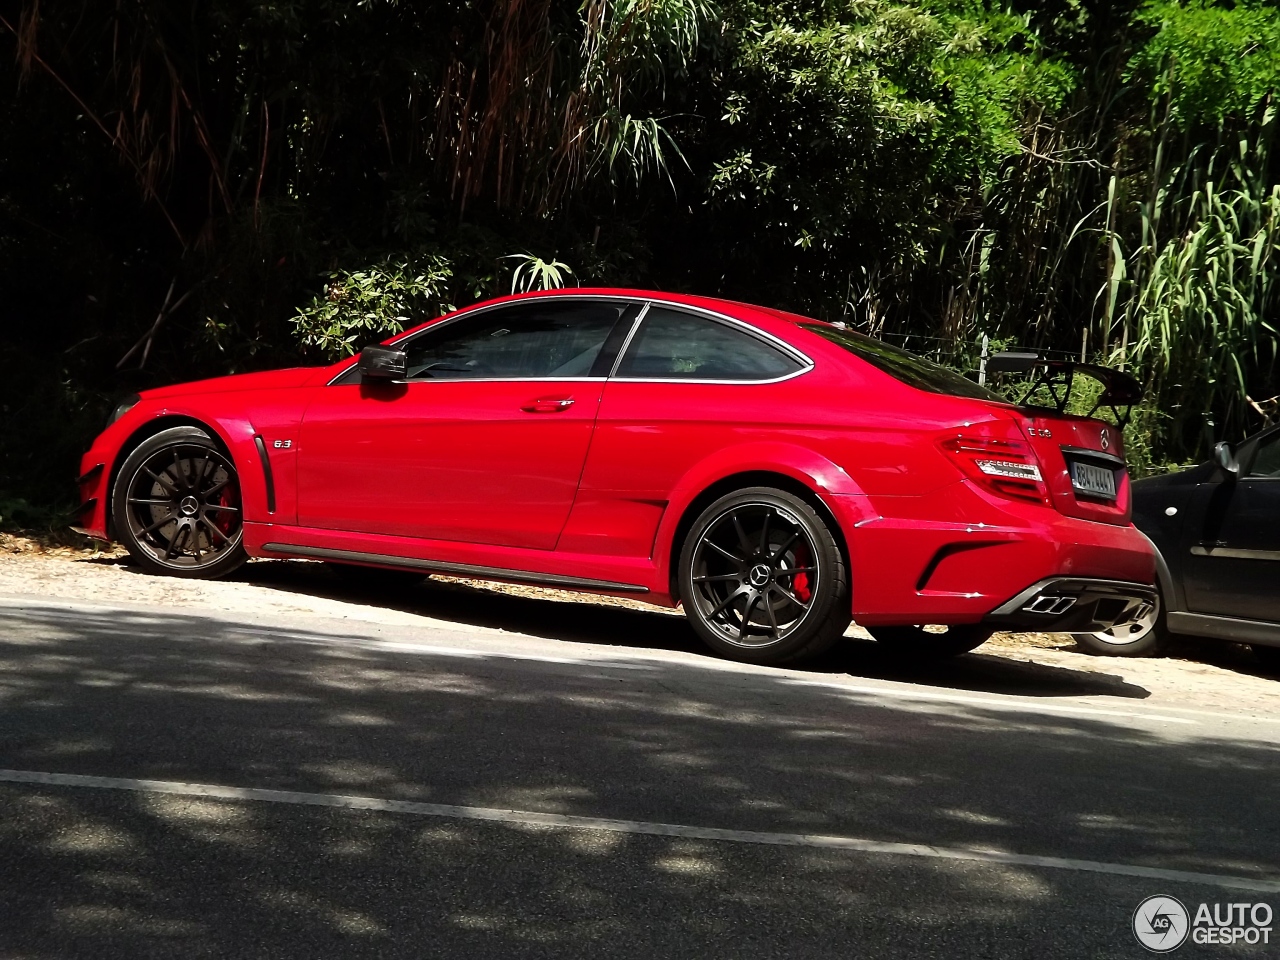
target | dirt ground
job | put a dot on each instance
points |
(1200, 674)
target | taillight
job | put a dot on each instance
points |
(1004, 466)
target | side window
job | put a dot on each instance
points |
(672, 345)
(1267, 461)
(549, 338)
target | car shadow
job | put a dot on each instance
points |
(655, 628)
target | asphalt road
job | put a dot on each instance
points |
(188, 786)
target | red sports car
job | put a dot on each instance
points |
(775, 474)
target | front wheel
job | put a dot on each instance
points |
(176, 506)
(931, 643)
(762, 578)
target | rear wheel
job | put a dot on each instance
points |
(762, 578)
(1141, 636)
(932, 643)
(176, 506)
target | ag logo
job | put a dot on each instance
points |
(1161, 924)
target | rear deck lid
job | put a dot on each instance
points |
(1082, 461)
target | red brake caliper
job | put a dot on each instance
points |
(800, 585)
(225, 519)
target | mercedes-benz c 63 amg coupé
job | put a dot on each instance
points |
(776, 475)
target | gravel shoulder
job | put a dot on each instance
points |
(1206, 675)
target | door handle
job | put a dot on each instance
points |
(547, 405)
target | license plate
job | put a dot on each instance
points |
(1093, 481)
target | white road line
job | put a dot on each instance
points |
(567, 822)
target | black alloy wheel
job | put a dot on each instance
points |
(762, 579)
(176, 506)
(928, 642)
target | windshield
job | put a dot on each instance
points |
(903, 365)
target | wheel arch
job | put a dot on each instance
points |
(144, 432)
(740, 481)
(1170, 589)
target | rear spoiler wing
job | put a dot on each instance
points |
(1119, 389)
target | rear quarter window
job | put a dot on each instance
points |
(674, 345)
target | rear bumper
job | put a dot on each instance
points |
(959, 556)
(1073, 605)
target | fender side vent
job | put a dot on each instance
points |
(266, 472)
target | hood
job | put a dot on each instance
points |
(265, 380)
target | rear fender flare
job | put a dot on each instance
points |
(820, 476)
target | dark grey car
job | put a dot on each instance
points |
(1216, 529)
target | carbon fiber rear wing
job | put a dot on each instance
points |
(1120, 391)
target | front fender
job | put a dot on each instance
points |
(234, 429)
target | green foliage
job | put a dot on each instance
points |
(1210, 62)
(627, 45)
(376, 302)
(197, 187)
(534, 273)
(16, 513)
(1204, 312)
(849, 130)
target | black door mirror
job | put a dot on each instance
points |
(1226, 460)
(382, 363)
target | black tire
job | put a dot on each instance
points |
(375, 578)
(176, 506)
(1269, 657)
(1143, 637)
(915, 642)
(762, 578)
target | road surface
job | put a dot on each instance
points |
(178, 783)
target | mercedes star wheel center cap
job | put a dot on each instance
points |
(189, 506)
(760, 574)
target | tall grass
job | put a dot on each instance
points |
(1198, 323)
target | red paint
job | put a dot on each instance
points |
(477, 462)
(506, 474)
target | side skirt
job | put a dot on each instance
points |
(1262, 633)
(457, 569)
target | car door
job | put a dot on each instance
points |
(483, 442)
(1234, 565)
(687, 384)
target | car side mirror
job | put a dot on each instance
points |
(383, 363)
(1226, 460)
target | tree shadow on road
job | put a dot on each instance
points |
(193, 699)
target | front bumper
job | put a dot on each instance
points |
(94, 483)
(1074, 605)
